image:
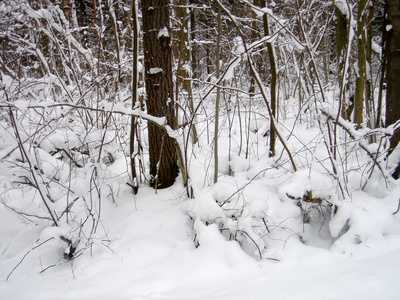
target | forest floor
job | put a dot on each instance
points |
(149, 252)
(261, 232)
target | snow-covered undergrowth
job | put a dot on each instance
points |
(261, 232)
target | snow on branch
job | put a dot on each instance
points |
(104, 107)
(350, 127)
(360, 135)
(269, 12)
(344, 8)
(44, 14)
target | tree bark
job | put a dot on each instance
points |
(360, 83)
(393, 67)
(134, 125)
(217, 66)
(182, 51)
(193, 47)
(369, 87)
(378, 117)
(66, 8)
(341, 36)
(274, 75)
(392, 11)
(159, 89)
(111, 13)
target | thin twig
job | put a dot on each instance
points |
(398, 208)
(20, 262)
(28, 159)
(260, 85)
(245, 185)
(248, 235)
(24, 215)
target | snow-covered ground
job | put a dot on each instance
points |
(262, 232)
(148, 251)
(323, 225)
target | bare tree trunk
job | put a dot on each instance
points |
(378, 117)
(274, 75)
(111, 13)
(193, 48)
(134, 125)
(182, 53)
(360, 83)
(369, 95)
(159, 89)
(66, 8)
(216, 131)
(393, 68)
(341, 36)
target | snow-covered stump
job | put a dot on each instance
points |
(314, 194)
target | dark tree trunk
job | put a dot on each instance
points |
(193, 37)
(360, 82)
(66, 8)
(393, 67)
(159, 89)
(134, 124)
(274, 75)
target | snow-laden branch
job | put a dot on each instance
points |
(265, 10)
(257, 78)
(360, 135)
(350, 127)
(44, 14)
(104, 107)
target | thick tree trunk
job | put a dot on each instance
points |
(159, 89)
(393, 67)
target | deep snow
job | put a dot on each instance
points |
(152, 256)
(244, 237)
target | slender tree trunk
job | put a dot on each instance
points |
(111, 13)
(209, 62)
(341, 37)
(193, 47)
(66, 8)
(325, 60)
(369, 95)
(360, 83)
(135, 55)
(216, 129)
(159, 89)
(378, 117)
(182, 55)
(272, 62)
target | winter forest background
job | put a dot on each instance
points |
(194, 149)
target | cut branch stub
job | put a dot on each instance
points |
(307, 197)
